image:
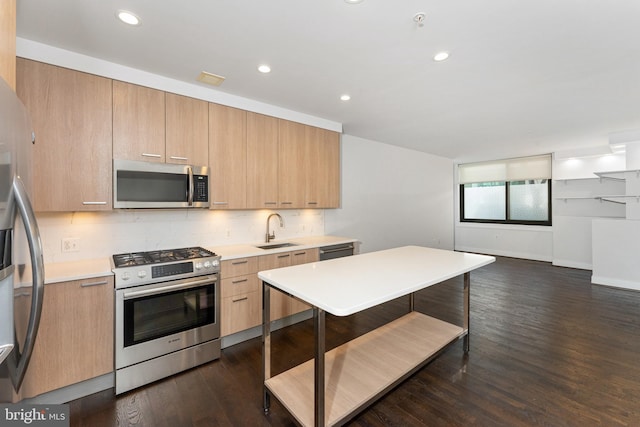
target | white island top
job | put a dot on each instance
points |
(348, 285)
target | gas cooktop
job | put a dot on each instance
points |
(160, 256)
(144, 268)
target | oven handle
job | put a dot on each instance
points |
(170, 288)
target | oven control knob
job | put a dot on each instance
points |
(207, 264)
(198, 265)
(125, 276)
(142, 274)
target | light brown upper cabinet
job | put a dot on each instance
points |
(138, 123)
(262, 161)
(322, 169)
(71, 116)
(291, 164)
(8, 42)
(308, 167)
(154, 126)
(187, 134)
(227, 157)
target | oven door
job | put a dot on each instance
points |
(159, 319)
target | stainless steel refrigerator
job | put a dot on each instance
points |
(21, 262)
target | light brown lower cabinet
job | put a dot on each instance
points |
(302, 257)
(75, 338)
(241, 295)
(281, 304)
(241, 290)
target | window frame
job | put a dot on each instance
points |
(508, 221)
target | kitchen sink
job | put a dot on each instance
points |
(276, 245)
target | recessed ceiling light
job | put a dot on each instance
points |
(353, 1)
(264, 68)
(441, 56)
(345, 97)
(128, 17)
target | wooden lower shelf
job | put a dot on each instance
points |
(358, 372)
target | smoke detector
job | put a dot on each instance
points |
(419, 18)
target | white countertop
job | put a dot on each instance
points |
(344, 286)
(86, 269)
(76, 270)
(246, 250)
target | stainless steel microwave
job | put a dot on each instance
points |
(159, 185)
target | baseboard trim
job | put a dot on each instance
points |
(509, 254)
(256, 331)
(74, 391)
(572, 264)
(615, 283)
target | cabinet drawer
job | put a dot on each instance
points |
(305, 256)
(238, 267)
(271, 261)
(239, 285)
(240, 312)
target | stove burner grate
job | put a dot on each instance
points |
(160, 256)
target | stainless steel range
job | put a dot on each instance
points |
(167, 313)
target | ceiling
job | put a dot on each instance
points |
(523, 77)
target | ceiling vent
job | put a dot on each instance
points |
(210, 78)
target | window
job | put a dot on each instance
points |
(513, 191)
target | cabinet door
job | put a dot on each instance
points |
(227, 157)
(241, 304)
(71, 116)
(262, 161)
(8, 42)
(302, 257)
(138, 122)
(75, 339)
(291, 165)
(187, 130)
(322, 160)
(280, 303)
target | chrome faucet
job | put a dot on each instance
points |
(272, 235)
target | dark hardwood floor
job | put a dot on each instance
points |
(547, 349)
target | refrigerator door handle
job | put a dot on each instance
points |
(37, 264)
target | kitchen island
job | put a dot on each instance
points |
(333, 387)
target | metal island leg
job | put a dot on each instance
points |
(465, 326)
(266, 343)
(319, 329)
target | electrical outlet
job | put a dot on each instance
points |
(70, 244)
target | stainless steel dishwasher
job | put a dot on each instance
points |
(336, 251)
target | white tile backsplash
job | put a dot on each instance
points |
(103, 234)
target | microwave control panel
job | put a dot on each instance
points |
(200, 188)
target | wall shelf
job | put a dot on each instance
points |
(618, 198)
(617, 175)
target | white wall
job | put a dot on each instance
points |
(103, 234)
(616, 245)
(393, 196)
(517, 241)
